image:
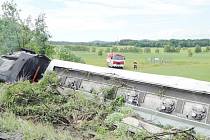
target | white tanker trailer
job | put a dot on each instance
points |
(169, 100)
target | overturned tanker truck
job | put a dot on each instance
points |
(165, 100)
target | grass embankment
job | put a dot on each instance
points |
(10, 123)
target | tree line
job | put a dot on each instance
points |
(175, 43)
(161, 43)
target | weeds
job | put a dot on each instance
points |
(10, 123)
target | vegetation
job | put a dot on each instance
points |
(93, 49)
(19, 33)
(182, 64)
(100, 52)
(183, 43)
(161, 43)
(147, 50)
(190, 54)
(77, 48)
(207, 49)
(40, 111)
(157, 50)
(198, 49)
(10, 123)
(168, 48)
(68, 56)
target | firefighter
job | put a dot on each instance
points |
(135, 65)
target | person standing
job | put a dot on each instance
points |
(135, 65)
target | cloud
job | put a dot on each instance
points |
(113, 19)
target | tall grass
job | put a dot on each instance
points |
(10, 123)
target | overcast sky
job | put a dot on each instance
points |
(110, 20)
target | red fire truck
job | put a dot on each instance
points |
(115, 60)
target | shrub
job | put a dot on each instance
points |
(167, 48)
(171, 49)
(68, 56)
(140, 50)
(50, 51)
(207, 49)
(147, 50)
(190, 54)
(157, 50)
(107, 50)
(198, 49)
(77, 48)
(110, 93)
(93, 49)
(114, 118)
(178, 49)
(100, 52)
(115, 49)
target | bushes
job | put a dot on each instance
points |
(171, 49)
(93, 49)
(107, 50)
(207, 49)
(198, 49)
(130, 49)
(41, 100)
(147, 50)
(190, 54)
(78, 48)
(100, 52)
(42, 103)
(157, 50)
(114, 49)
(68, 56)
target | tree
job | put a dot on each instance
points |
(198, 49)
(16, 33)
(171, 49)
(10, 26)
(26, 32)
(41, 34)
(167, 48)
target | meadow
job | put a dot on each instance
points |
(175, 64)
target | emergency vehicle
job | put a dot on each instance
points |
(115, 60)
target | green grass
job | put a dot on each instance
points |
(179, 64)
(10, 123)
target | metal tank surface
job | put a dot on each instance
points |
(169, 100)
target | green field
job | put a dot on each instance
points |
(177, 64)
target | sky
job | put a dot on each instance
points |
(112, 20)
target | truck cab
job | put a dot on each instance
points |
(115, 60)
